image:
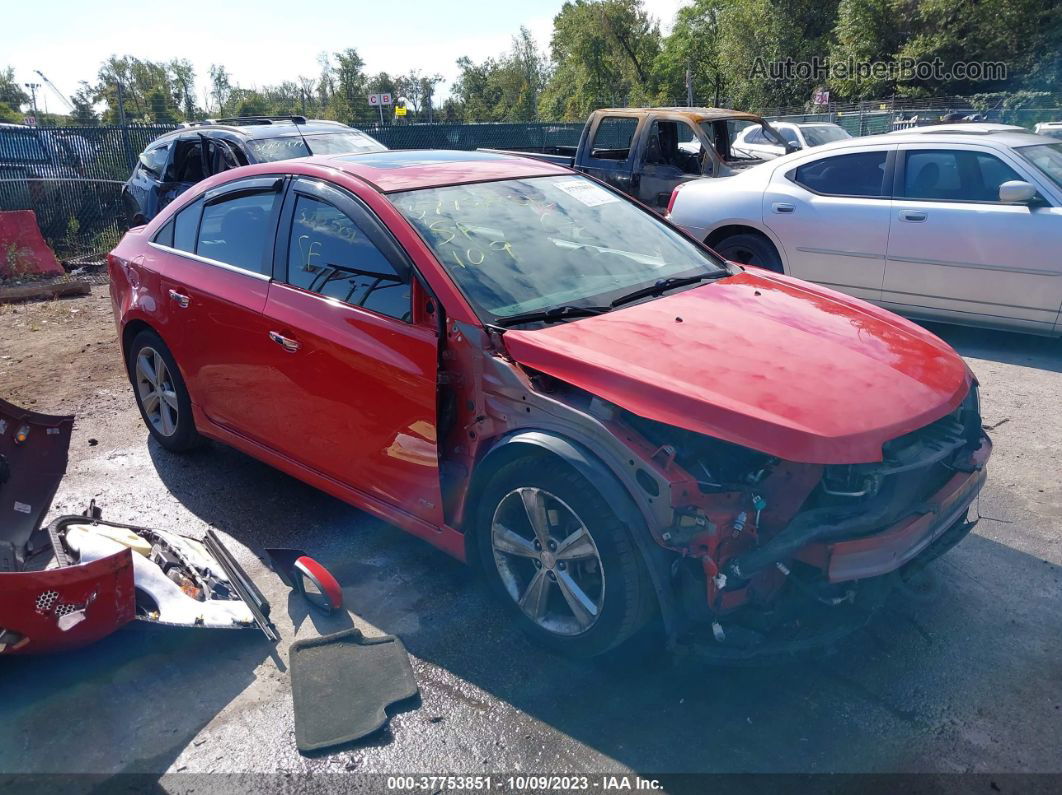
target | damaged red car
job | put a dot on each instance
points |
(539, 376)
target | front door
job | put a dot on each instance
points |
(672, 155)
(957, 254)
(354, 376)
(832, 215)
(611, 152)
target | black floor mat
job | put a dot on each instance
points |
(342, 685)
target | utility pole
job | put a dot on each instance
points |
(33, 96)
(121, 102)
(689, 88)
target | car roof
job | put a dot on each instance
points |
(409, 169)
(257, 130)
(963, 128)
(693, 114)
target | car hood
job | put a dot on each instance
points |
(33, 454)
(760, 360)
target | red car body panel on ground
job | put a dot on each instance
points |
(732, 360)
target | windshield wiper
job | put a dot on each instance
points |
(552, 315)
(662, 285)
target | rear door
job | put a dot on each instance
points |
(831, 214)
(610, 152)
(957, 253)
(215, 287)
(354, 377)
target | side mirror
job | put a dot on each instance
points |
(791, 147)
(1016, 191)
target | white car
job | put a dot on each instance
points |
(797, 135)
(952, 225)
(1050, 128)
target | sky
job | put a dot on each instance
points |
(266, 41)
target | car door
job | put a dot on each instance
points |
(831, 214)
(215, 285)
(957, 253)
(611, 151)
(672, 154)
(354, 381)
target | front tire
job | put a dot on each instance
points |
(161, 394)
(748, 248)
(561, 560)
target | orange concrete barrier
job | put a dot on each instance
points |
(23, 251)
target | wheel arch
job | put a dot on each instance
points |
(547, 444)
(744, 228)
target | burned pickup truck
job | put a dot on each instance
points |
(646, 152)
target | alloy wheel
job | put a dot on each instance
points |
(548, 561)
(156, 391)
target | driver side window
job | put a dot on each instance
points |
(330, 254)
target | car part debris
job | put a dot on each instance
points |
(307, 577)
(82, 578)
(243, 585)
(342, 684)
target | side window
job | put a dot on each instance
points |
(993, 172)
(788, 133)
(329, 254)
(755, 135)
(954, 175)
(612, 138)
(932, 174)
(235, 231)
(153, 161)
(673, 144)
(185, 226)
(859, 174)
(164, 237)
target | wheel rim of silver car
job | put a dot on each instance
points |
(157, 394)
(548, 561)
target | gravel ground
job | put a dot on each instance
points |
(962, 676)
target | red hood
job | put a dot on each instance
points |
(764, 361)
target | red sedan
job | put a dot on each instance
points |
(541, 377)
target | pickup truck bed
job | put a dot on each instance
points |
(561, 155)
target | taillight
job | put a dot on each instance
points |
(674, 193)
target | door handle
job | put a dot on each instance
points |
(782, 207)
(287, 343)
(182, 300)
(914, 216)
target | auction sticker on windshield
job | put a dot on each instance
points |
(585, 191)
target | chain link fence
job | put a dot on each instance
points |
(72, 177)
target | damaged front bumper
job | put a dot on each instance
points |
(830, 589)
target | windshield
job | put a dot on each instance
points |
(522, 245)
(1047, 158)
(817, 136)
(267, 150)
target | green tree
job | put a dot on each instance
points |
(692, 45)
(604, 51)
(12, 97)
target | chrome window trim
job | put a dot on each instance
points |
(209, 261)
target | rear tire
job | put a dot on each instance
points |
(595, 594)
(749, 248)
(161, 394)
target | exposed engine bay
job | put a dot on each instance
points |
(82, 578)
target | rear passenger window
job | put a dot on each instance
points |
(185, 225)
(330, 254)
(164, 237)
(236, 231)
(612, 138)
(861, 174)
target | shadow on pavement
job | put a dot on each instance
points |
(1043, 353)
